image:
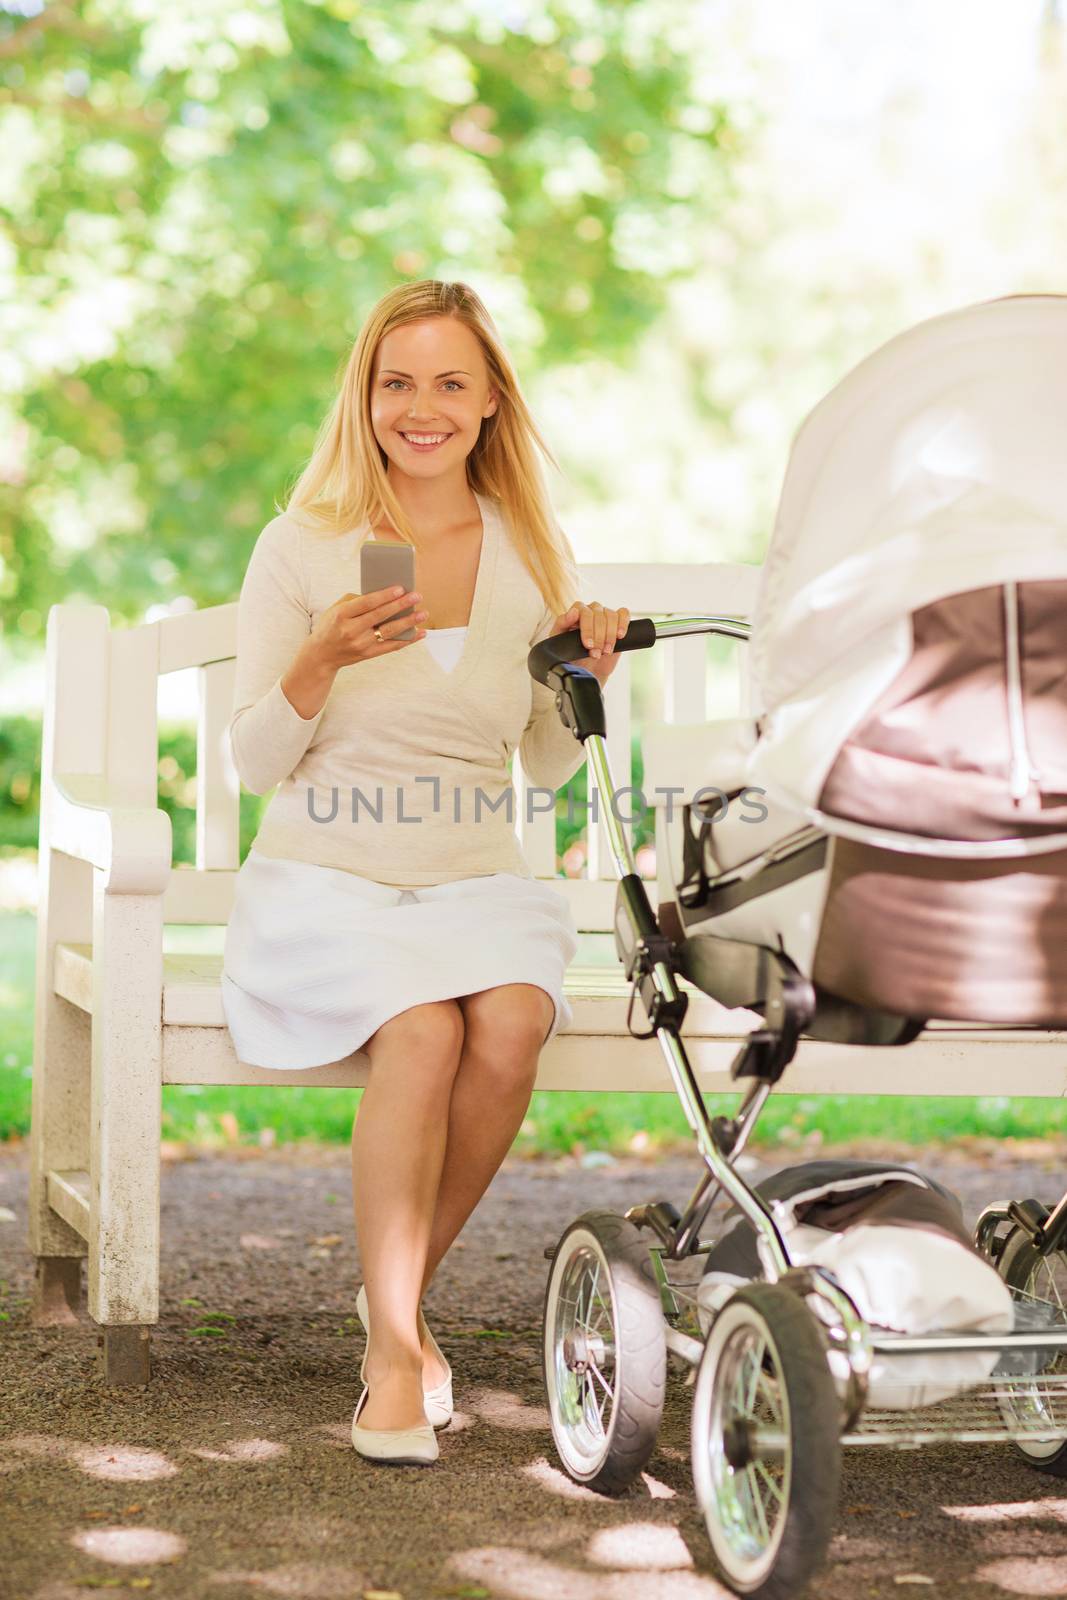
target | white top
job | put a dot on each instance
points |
(446, 645)
(402, 776)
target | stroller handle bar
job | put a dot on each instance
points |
(579, 700)
(581, 704)
(641, 634)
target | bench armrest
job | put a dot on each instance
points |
(131, 844)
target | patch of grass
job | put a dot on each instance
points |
(556, 1123)
(192, 1112)
(558, 1120)
(213, 1324)
(18, 959)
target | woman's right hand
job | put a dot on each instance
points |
(344, 633)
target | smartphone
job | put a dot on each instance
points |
(382, 566)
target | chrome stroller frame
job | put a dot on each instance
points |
(768, 1423)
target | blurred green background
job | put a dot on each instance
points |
(689, 218)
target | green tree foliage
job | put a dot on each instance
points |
(201, 199)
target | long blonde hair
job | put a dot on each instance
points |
(345, 484)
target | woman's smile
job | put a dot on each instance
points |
(424, 442)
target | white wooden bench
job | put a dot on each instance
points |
(117, 1016)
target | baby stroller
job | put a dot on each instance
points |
(892, 849)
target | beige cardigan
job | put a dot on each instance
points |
(403, 775)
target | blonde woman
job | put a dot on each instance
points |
(386, 903)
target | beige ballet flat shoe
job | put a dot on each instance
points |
(438, 1400)
(399, 1447)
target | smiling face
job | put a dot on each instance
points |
(429, 394)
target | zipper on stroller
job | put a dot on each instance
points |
(1022, 776)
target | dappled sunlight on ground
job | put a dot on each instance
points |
(1018, 1511)
(460, 1421)
(641, 1546)
(515, 1574)
(130, 1547)
(253, 1450)
(657, 1490)
(1027, 1575)
(556, 1481)
(117, 1462)
(501, 1408)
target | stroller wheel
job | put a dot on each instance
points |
(604, 1351)
(766, 1450)
(1039, 1283)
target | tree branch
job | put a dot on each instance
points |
(61, 18)
(136, 121)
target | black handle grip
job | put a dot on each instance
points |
(640, 635)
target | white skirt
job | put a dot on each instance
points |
(316, 959)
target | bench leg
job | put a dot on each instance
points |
(59, 1117)
(125, 1105)
(125, 1360)
(56, 1291)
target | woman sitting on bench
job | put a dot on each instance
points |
(386, 903)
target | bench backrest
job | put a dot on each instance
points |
(105, 684)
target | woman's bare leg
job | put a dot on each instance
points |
(398, 1147)
(497, 1069)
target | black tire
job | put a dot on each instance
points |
(791, 1398)
(1026, 1271)
(606, 1454)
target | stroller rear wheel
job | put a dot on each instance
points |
(1042, 1279)
(766, 1448)
(604, 1351)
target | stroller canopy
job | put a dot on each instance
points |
(937, 467)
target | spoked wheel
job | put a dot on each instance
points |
(1028, 1407)
(766, 1447)
(605, 1351)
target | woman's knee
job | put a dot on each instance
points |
(506, 1030)
(433, 1031)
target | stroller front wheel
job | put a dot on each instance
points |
(766, 1450)
(604, 1351)
(1036, 1410)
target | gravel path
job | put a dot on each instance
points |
(233, 1475)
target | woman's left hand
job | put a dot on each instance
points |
(600, 629)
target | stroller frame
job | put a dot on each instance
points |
(799, 1314)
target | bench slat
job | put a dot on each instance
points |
(206, 898)
(951, 1062)
(192, 996)
(949, 1058)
